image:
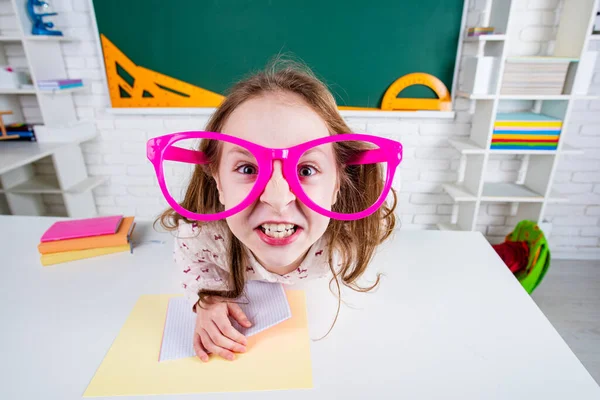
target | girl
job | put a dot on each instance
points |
(298, 200)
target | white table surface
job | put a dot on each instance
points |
(448, 321)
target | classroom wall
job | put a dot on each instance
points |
(119, 151)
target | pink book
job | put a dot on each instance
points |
(79, 228)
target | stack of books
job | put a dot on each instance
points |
(525, 131)
(85, 238)
(59, 84)
(534, 75)
(480, 30)
(21, 131)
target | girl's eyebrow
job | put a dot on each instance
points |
(241, 150)
(314, 150)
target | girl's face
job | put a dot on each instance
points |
(277, 228)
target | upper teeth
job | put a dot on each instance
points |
(277, 227)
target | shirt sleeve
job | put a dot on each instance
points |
(198, 270)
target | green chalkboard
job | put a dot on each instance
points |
(358, 48)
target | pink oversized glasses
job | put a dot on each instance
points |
(366, 149)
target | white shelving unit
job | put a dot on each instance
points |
(532, 191)
(59, 132)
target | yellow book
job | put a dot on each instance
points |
(540, 124)
(65, 256)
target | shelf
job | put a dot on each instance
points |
(62, 91)
(502, 192)
(36, 185)
(459, 193)
(49, 185)
(486, 38)
(10, 39)
(528, 59)
(16, 91)
(485, 96)
(47, 38)
(467, 146)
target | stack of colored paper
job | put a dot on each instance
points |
(525, 131)
(535, 75)
(85, 238)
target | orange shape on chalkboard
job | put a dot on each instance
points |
(130, 85)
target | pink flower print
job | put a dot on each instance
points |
(215, 256)
(183, 245)
(301, 271)
(318, 253)
(194, 225)
(286, 276)
(206, 250)
(204, 270)
(187, 270)
(200, 260)
(219, 237)
(197, 278)
(303, 277)
(184, 285)
(218, 279)
(250, 269)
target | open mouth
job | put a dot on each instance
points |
(278, 231)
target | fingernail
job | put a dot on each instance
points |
(241, 349)
(230, 357)
(205, 359)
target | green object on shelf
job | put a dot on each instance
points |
(539, 253)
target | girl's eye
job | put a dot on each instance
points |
(306, 171)
(247, 169)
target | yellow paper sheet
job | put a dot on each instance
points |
(276, 359)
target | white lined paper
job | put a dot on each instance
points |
(265, 304)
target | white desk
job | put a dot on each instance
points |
(449, 321)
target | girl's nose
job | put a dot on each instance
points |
(277, 193)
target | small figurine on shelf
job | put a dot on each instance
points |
(39, 27)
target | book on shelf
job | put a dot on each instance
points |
(58, 84)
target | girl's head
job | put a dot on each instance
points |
(283, 106)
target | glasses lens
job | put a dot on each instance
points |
(361, 167)
(201, 163)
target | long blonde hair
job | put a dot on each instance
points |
(354, 241)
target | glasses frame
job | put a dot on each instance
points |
(161, 148)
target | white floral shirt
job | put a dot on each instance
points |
(200, 253)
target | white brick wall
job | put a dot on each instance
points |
(119, 151)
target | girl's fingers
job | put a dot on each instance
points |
(213, 348)
(236, 312)
(229, 331)
(199, 349)
(223, 341)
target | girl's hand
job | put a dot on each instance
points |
(214, 332)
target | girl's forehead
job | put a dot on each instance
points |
(275, 120)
